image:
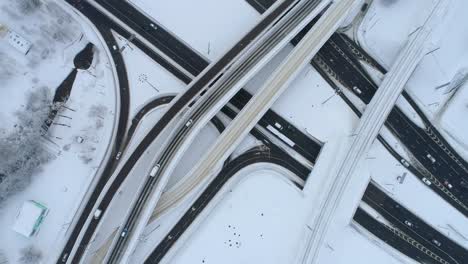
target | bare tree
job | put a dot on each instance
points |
(98, 113)
(22, 153)
(28, 6)
(30, 255)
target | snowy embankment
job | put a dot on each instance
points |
(79, 135)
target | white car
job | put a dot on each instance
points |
(405, 163)
(429, 156)
(436, 242)
(189, 123)
(279, 126)
(408, 223)
(153, 26)
(446, 183)
(357, 90)
(124, 232)
(426, 181)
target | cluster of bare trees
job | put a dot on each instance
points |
(22, 153)
(30, 255)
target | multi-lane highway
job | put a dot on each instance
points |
(168, 65)
(436, 159)
(270, 155)
(89, 11)
(193, 62)
(171, 197)
(128, 33)
(365, 133)
(406, 232)
(183, 100)
(340, 61)
(155, 33)
(206, 102)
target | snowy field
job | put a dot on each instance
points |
(259, 221)
(210, 27)
(438, 84)
(348, 245)
(64, 164)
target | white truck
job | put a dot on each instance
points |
(426, 181)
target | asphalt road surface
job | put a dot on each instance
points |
(104, 30)
(431, 151)
(290, 22)
(184, 100)
(405, 222)
(340, 60)
(191, 61)
(156, 34)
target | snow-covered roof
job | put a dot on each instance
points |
(29, 218)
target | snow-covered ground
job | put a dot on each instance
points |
(60, 184)
(348, 245)
(385, 30)
(211, 27)
(149, 82)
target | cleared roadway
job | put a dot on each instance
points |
(211, 97)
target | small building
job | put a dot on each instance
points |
(29, 218)
(16, 40)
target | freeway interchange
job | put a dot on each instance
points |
(216, 87)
